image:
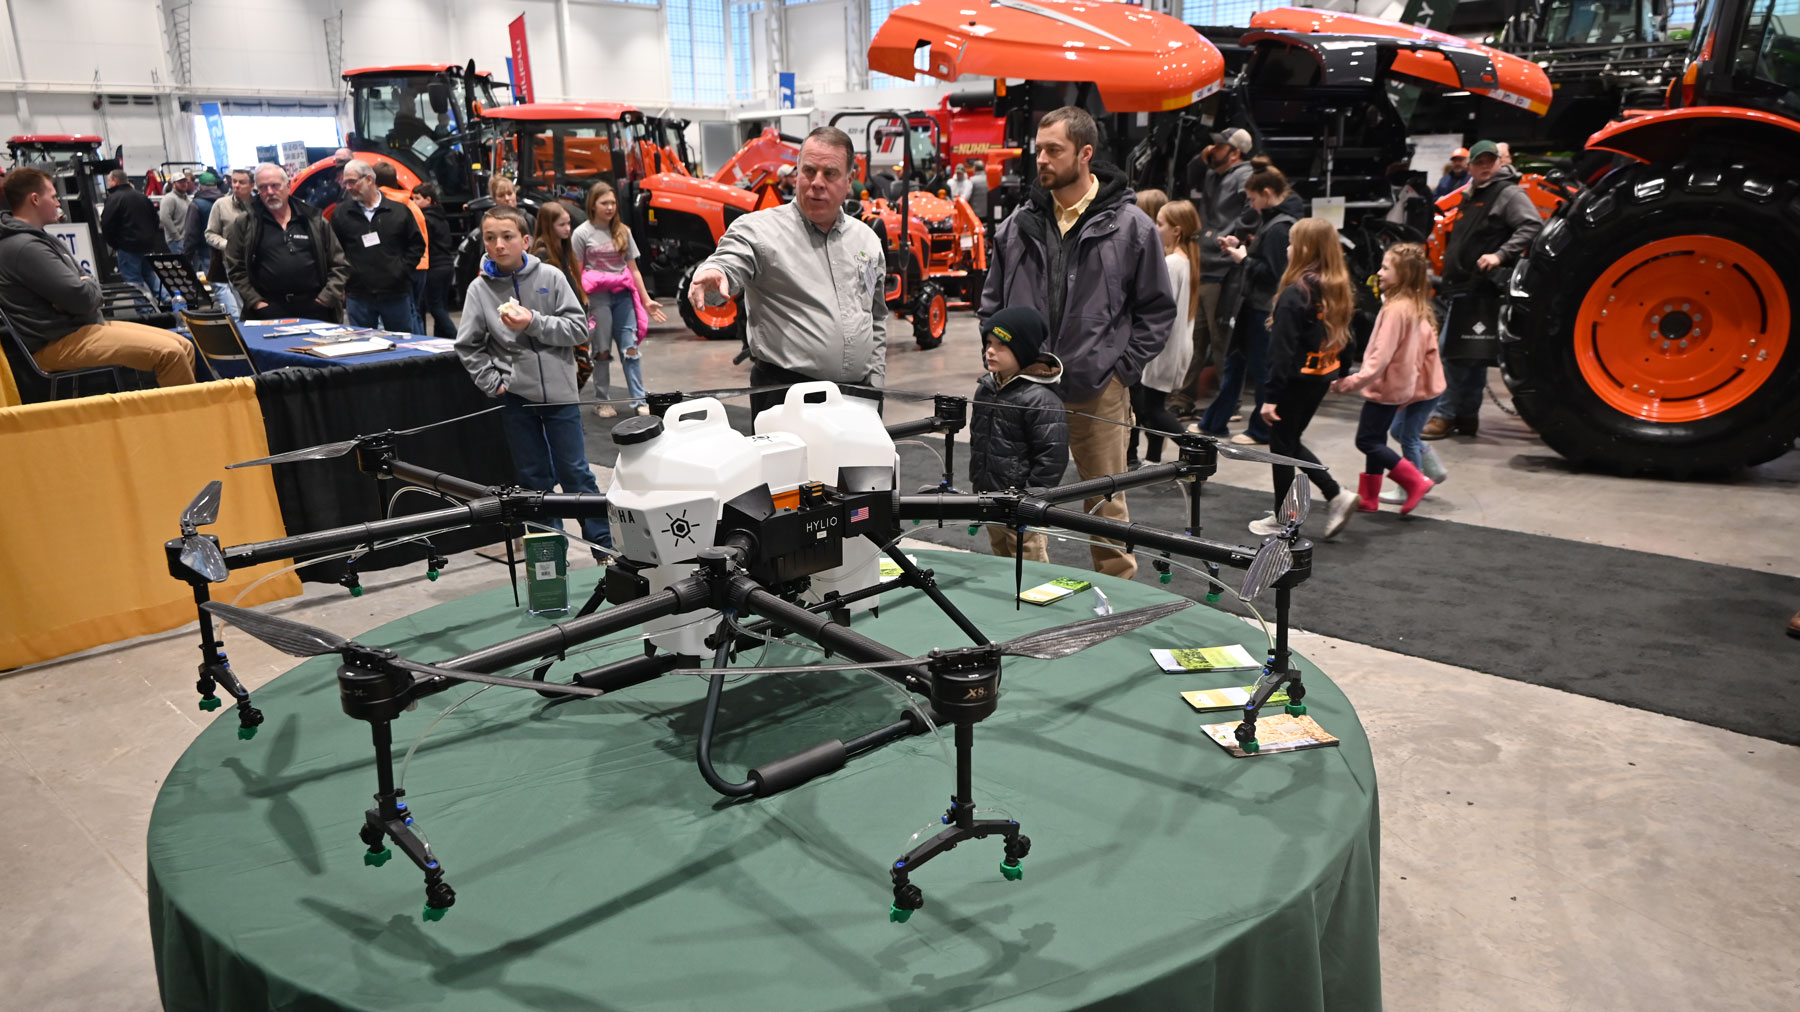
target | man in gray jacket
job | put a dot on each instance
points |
(54, 307)
(1081, 253)
(1224, 210)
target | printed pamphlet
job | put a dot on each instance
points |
(1055, 590)
(1226, 658)
(1279, 732)
(1230, 698)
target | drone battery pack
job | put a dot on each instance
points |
(546, 573)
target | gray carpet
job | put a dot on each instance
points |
(1701, 642)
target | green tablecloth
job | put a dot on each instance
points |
(595, 870)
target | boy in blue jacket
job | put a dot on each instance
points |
(1018, 431)
(520, 325)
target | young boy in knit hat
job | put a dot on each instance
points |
(1018, 432)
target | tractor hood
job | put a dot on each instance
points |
(1343, 43)
(1139, 60)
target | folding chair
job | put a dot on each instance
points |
(219, 342)
(54, 380)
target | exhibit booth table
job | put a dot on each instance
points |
(594, 869)
(276, 352)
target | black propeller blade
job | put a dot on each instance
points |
(326, 451)
(302, 640)
(1262, 456)
(198, 553)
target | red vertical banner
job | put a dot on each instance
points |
(521, 60)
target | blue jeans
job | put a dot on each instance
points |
(549, 449)
(1250, 361)
(1463, 383)
(393, 312)
(624, 338)
(137, 271)
(226, 297)
(1409, 421)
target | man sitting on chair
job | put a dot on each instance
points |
(54, 306)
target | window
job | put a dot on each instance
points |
(696, 32)
(878, 15)
(741, 57)
(1223, 12)
(1768, 61)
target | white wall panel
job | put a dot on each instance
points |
(815, 45)
(617, 54)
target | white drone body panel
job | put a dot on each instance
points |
(668, 492)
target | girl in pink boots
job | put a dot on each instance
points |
(1400, 367)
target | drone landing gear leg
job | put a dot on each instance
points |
(1275, 673)
(962, 826)
(391, 819)
(215, 671)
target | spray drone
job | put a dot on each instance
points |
(713, 527)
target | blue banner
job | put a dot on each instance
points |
(215, 127)
(785, 81)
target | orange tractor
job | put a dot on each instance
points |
(1652, 326)
(944, 249)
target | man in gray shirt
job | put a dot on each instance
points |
(812, 279)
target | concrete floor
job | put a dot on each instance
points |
(1541, 851)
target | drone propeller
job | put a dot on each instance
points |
(327, 451)
(201, 554)
(1045, 644)
(301, 640)
(1258, 456)
(1276, 556)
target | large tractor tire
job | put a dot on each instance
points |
(1652, 328)
(930, 315)
(715, 323)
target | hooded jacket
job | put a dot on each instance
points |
(537, 363)
(1495, 218)
(1224, 210)
(1018, 431)
(42, 289)
(1103, 288)
(193, 232)
(1267, 254)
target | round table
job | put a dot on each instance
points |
(595, 870)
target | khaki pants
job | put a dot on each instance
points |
(132, 345)
(1002, 540)
(1210, 346)
(1099, 449)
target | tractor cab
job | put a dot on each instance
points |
(557, 150)
(424, 118)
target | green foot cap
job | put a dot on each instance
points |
(973, 528)
(356, 591)
(1297, 709)
(1011, 871)
(1251, 746)
(376, 859)
(246, 733)
(898, 916)
(210, 703)
(1212, 598)
(431, 574)
(434, 913)
(1166, 578)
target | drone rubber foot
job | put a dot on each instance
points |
(1297, 709)
(376, 859)
(973, 528)
(431, 574)
(1011, 871)
(1251, 746)
(1212, 598)
(434, 913)
(356, 591)
(899, 916)
(247, 733)
(1166, 578)
(210, 703)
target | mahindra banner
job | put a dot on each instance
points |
(521, 60)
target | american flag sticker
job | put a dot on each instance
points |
(859, 514)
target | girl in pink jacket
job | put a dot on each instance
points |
(1401, 367)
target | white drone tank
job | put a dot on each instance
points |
(668, 490)
(839, 432)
